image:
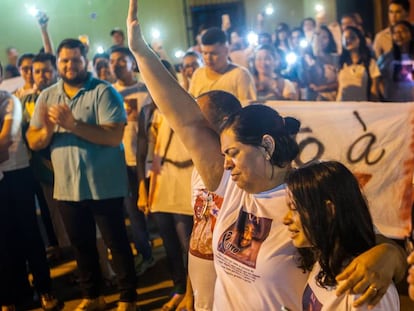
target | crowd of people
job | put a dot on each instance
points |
(92, 143)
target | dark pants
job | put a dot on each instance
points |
(45, 215)
(175, 231)
(20, 238)
(137, 218)
(80, 219)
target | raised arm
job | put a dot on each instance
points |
(179, 108)
(43, 21)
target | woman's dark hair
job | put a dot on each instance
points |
(282, 27)
(100, 64)
(265, 36)
(99, 56)
(24, 56)
(298, 29)
(251, 123)
(307, 19)
(364, 52)
(331, 48)
(334, 215)
(395, 49)
(266, 47)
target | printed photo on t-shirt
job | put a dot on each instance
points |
(309, 300)
(243, 239)
(206, 207)
(403, 71)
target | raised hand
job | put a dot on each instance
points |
(135, 38)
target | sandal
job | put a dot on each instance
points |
(172, 304)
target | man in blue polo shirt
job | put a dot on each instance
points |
(83, 119)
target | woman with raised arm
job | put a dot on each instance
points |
(253, 253)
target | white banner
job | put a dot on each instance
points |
(11, 85)
(374, 140)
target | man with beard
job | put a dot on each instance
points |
(82, 119)
(135, 96)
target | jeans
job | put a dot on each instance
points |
(137, 218)
(175, 231)
(20, 238)
(79, 219)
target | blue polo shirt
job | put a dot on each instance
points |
(84, 170)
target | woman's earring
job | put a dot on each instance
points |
(267, 157)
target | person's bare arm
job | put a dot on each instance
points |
(60, 115)
(142, 150)
(371, 273)
(6, 133)
(43, 21)
(180, 109)
(39, 137)
(375, 89)
(5, 139)
(102, 134)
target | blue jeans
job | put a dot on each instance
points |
(175, 231)
(79, 219)
(137, 218)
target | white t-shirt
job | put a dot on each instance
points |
(317, 298)
(237, 81)
(288, 92)
(200, 258)
(170, 173)
(134, 99)
(382, 42)
(253, 253)
(353, 81)
(11, 109)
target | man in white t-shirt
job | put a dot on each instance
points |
(219, 73)
(135, 96)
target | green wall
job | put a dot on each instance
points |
(70, 18)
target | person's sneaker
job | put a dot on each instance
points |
(92, 304)
(126, 306)
(146, 264)
(50, 302)
(8, 308)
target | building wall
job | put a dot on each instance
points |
(70, 18)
